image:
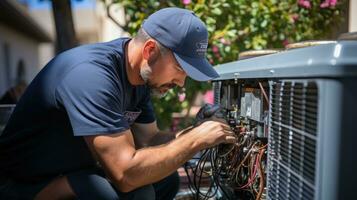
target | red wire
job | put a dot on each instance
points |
(252, 178)
(257, 164)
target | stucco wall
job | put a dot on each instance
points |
(19, 48)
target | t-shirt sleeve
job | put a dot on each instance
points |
(147, 111)
(91, 97)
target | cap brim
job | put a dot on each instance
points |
(198, 69)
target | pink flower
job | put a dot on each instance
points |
(304, 3)
(215, 49)
(208, 97)
(285, 42)
(224, 41)
(175, 123)
(328, 3)
(294, 17)
(333, 2)
(325, 4)
(186, 2)
(217, 55)
(211, 61)
(182, 97)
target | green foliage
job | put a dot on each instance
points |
(239, 25)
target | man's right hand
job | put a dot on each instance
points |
(212, 133)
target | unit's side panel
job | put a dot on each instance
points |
(348, 158)
(330, 105)
(337, 125)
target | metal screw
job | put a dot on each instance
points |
(236, 77)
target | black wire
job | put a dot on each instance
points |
(223, 172)
(190, 185)
(217, 171)
(201, 166)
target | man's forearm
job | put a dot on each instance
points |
(152, 164)
(162, 137)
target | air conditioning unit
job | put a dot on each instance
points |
(304, 101)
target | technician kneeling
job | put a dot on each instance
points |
(85, 127)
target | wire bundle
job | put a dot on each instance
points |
(233, 170)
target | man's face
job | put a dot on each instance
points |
(161, 73)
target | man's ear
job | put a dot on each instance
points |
(150, 50)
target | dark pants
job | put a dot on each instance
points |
(92, 185)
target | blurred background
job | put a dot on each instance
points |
(34, 31)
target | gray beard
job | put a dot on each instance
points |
(156, 93)
(145, 73)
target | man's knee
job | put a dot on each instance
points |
(89, 185)
(59, 188)
(146, 192)
(173, 182)
(168, 187)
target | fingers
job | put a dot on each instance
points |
(227, 135)
(226, 127)
(217, 126)
(220, 121)
(223, 124)
(228, 132)
(214, 133)
(230, 139)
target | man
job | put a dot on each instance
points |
(85, 127)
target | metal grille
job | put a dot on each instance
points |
(217, 92)
(292, 140)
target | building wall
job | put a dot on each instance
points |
(353, 16)
(110, 30)
(90, 22)
(15, 47)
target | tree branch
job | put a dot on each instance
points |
(108, 6)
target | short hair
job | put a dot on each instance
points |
(143, 36)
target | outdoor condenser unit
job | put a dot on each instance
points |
(310, 117)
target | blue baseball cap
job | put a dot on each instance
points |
(182, 32)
